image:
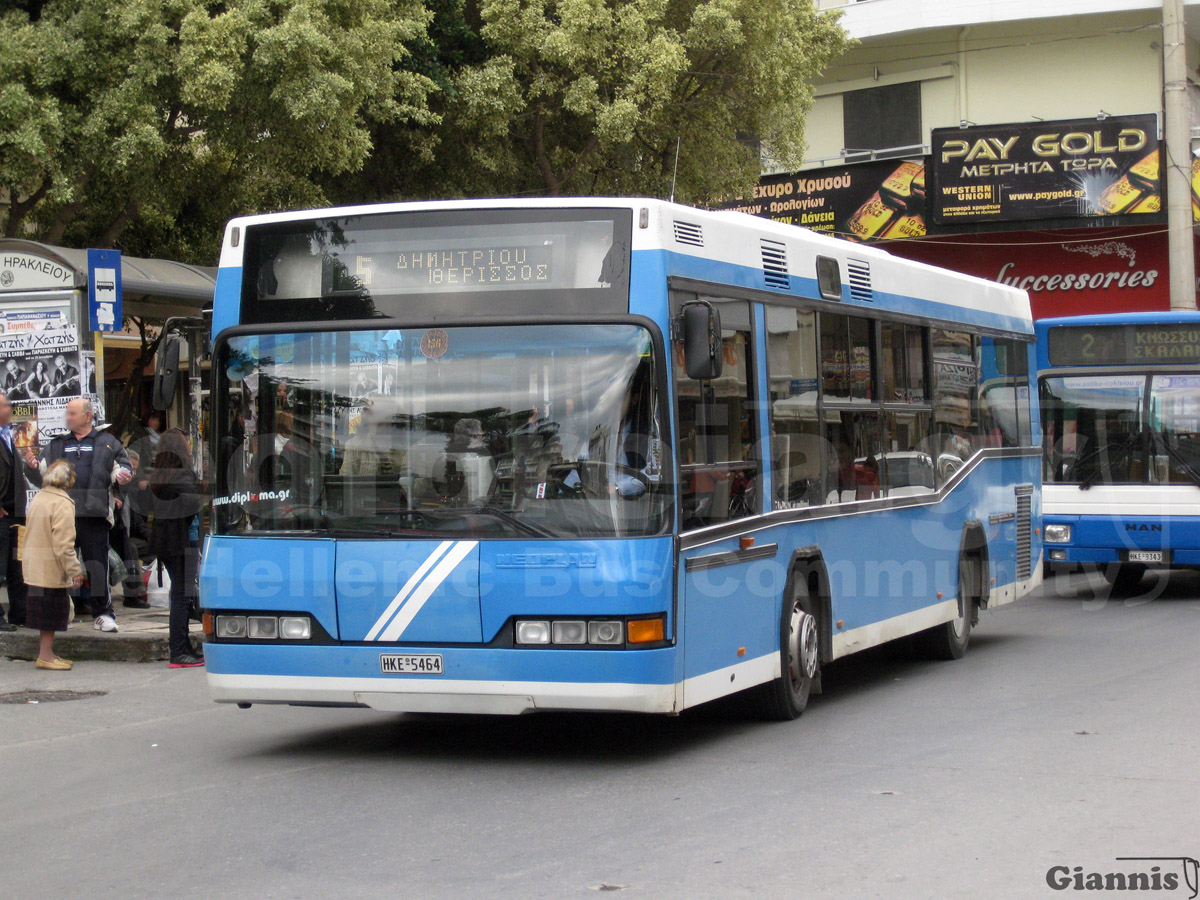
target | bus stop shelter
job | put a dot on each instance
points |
(47, 355)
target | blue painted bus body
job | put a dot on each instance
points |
(891, 571)
(1129, 520)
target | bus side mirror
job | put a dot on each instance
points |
(702, 356)
(166, 373)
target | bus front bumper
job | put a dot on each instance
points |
(1102, 539)
(476, 680)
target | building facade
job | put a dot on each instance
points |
(1014, 140)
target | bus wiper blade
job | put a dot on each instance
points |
(490, 509)
(1117, 454)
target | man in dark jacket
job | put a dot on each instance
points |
(12, 514)
(100, 462)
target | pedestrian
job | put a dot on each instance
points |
(12, 517)
(120, 538)
(100, 462)
(147, 437)
(174, 537)
(49, 560)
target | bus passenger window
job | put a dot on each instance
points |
(795, 429)
(955, 432)
(719, 461)
(902, 363)
(908, 463)
(855, 454)
(846, 359)
(1004, 392)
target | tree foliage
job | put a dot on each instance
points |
(598, 97)
(145, 124)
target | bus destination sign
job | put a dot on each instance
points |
(478, 266)
(1123, 345)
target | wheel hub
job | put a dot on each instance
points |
(803, 646)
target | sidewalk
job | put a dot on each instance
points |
(142, 638)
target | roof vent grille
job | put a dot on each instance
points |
(858, 274)
(774, 263)
(689, 233)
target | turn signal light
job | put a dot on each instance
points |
(644, 631)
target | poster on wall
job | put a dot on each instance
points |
(880, 200)
(1069, 168)
(19, 321)
(40, 364)
(40, 368)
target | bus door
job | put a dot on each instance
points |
(720, 472)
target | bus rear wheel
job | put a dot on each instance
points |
(786, 697)
(950, 639)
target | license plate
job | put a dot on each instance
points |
(410, 663)
(1147, 556)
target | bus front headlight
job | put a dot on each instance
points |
(1057, 534)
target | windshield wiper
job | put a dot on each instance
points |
(490, 509)
(1116, 454)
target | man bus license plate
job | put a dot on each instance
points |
(1145, 556)
(410, 663)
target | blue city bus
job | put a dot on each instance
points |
(599, 454)
(1120, 399)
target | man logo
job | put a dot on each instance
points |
(1142, 527)
(6, 278)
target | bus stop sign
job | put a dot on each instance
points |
(104, 290)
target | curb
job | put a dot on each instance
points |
(88, 644)
(23, 644)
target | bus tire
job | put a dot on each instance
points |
(1123, 577)
(950, 639)
(786, 697)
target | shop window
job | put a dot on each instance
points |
(882, 118)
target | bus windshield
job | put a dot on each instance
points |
(512, 431)
(1119, 429)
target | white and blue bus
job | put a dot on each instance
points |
(1120, 398)
(585, 454)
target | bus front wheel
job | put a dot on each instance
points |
(786, 697)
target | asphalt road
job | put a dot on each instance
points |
(1069, 735)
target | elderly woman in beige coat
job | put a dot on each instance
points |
(49, 560)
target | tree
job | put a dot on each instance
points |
(599, 96)
(146, 124)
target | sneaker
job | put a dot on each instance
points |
(136, 603)
(7, 626)
(58, 665)
(106, 622)
(186, 661)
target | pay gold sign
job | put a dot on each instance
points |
(434, 343)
